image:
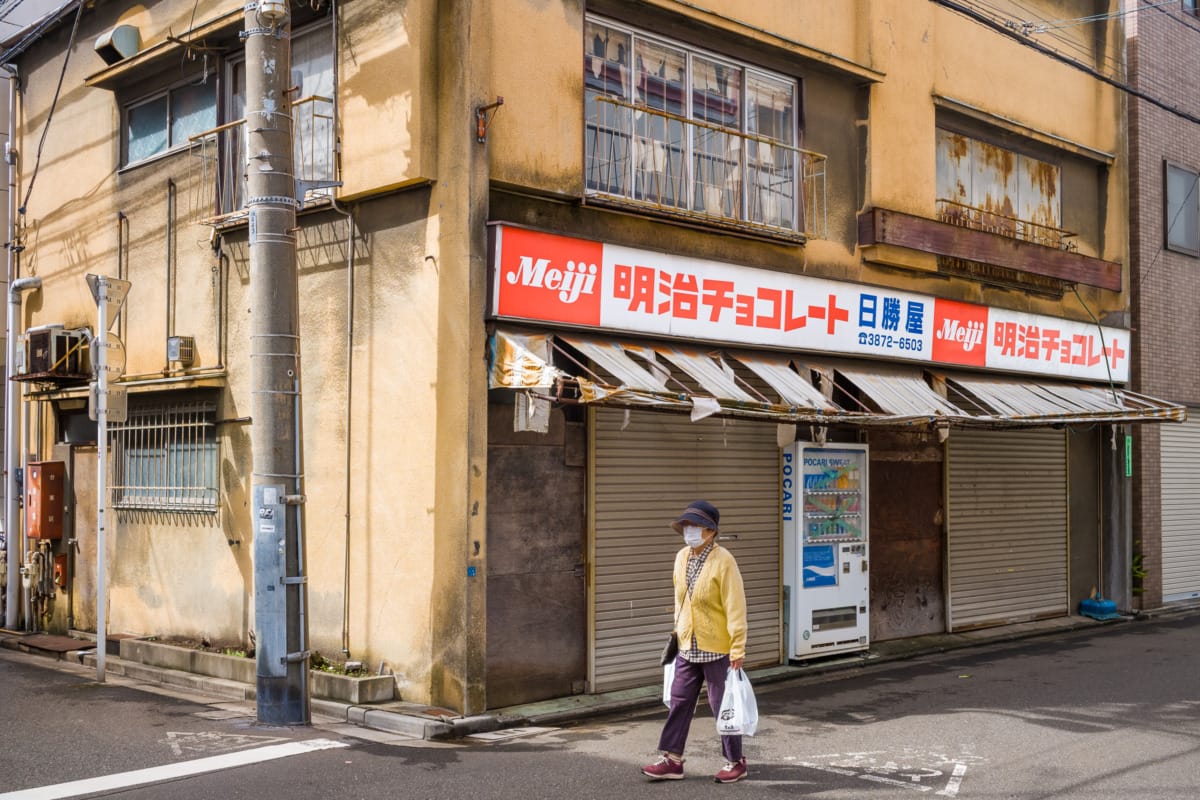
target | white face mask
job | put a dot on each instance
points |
(693, 535)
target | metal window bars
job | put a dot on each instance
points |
(219, 162)
(673, 164)
(165, 457)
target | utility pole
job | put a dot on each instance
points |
(109, 294)
(280, 596)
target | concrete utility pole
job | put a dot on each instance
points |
(280, 596)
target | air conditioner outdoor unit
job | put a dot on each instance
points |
(54, 352)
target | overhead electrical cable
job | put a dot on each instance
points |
(37, 161)
(1051, 53)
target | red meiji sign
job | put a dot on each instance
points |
(548, 277)
(959, 333)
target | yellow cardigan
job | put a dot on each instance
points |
(716, 611)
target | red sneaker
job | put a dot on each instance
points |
(733, 772)
(665, 769)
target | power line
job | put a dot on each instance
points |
(37, 162)
(1179, 19)
(1050, 52)
(1059, 24)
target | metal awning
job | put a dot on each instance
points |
(609, 371)
(1013, 401)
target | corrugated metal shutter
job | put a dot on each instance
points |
(1007, 526)
(643, 476)
(1181, 510)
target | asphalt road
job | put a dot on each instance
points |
(1108, 713)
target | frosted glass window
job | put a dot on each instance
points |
(1182, 210)
(146, 130)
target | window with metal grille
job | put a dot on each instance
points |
(689, 133)
(164, 456)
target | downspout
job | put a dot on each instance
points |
(333, 10)
(11, 423)
(13, 540)
(170, 320)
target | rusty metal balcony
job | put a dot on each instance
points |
(220, 161)
(656, 161)
(981, 219)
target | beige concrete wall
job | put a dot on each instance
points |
(176, 575)
(387, 50)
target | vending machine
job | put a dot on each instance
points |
(825, 548)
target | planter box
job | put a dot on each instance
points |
(353, 690)
(323, 685)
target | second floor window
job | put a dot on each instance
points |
(681, 130)
(166, 121)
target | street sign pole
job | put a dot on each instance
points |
(110, 295)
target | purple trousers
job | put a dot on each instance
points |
(684, 693)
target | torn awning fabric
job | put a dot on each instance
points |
(701, 381)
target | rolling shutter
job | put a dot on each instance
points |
(643, 477)
(1181, 511)
(1007, 526)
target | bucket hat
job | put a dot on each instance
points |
(698, 512)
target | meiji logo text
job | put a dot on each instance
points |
(570, 283)
(967, 335)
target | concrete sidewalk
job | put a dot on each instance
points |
(423, 722)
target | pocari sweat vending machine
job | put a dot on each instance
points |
(825, 548)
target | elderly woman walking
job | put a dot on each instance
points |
(710, 620)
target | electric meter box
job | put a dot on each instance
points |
(45, 499)
(825, 548)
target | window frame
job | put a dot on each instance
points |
(168, 92)
(1192, 197)
(689, 201)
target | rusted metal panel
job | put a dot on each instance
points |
(994, 186)
(986, 187)
(906, 543)
(883, 226)
(536, 529)
(1039, 189)
(953, 168)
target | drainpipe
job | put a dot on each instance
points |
(13, 540)
(350, 292)
(15, 543)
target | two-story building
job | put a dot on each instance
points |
(565, 267)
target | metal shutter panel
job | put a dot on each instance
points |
(1007, 526)
(644, 476)
(1180, 495)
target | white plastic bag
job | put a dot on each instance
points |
(739, 709)
(668, 680)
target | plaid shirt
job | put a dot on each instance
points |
(695, 563)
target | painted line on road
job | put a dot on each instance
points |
(169, 772)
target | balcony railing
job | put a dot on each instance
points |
(688, 168)
(220, 159)
(983, 220)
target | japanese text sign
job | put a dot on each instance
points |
(556, 279)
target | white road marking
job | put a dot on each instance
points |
(955, 781)
(911, 768)
(168, 772)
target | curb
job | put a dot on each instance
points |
(427, 727)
